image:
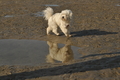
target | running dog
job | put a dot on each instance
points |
(62, 20)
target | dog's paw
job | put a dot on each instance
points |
(57, 34)
(70, 35)
(48, 34)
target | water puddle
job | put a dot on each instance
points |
(11, 16)
(34, 52)
(7, 16)
(51, 5)
(38, 14)
(118, 5)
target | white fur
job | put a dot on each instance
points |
(62, 20)
(64, 54)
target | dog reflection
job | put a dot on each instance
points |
(64, 54)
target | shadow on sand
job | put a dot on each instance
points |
(94, 55)
(91, 32)
(98, 64)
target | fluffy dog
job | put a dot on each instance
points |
(62, 20)
(64, 54)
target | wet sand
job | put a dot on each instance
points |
(95, 29)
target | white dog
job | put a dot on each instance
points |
(64, 54)
(62, 20)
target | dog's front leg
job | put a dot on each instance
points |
(65, 31)
(55, 31)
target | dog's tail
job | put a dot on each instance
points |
(48, 12)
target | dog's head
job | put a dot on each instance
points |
(66, 15)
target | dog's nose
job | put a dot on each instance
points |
(67, 26)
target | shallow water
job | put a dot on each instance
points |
(52, 5)
(27, 52)
(6, 16)
(118, 5)
(37, 14)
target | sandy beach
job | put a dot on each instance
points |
(95, 40)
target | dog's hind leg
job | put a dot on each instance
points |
(48, 30)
